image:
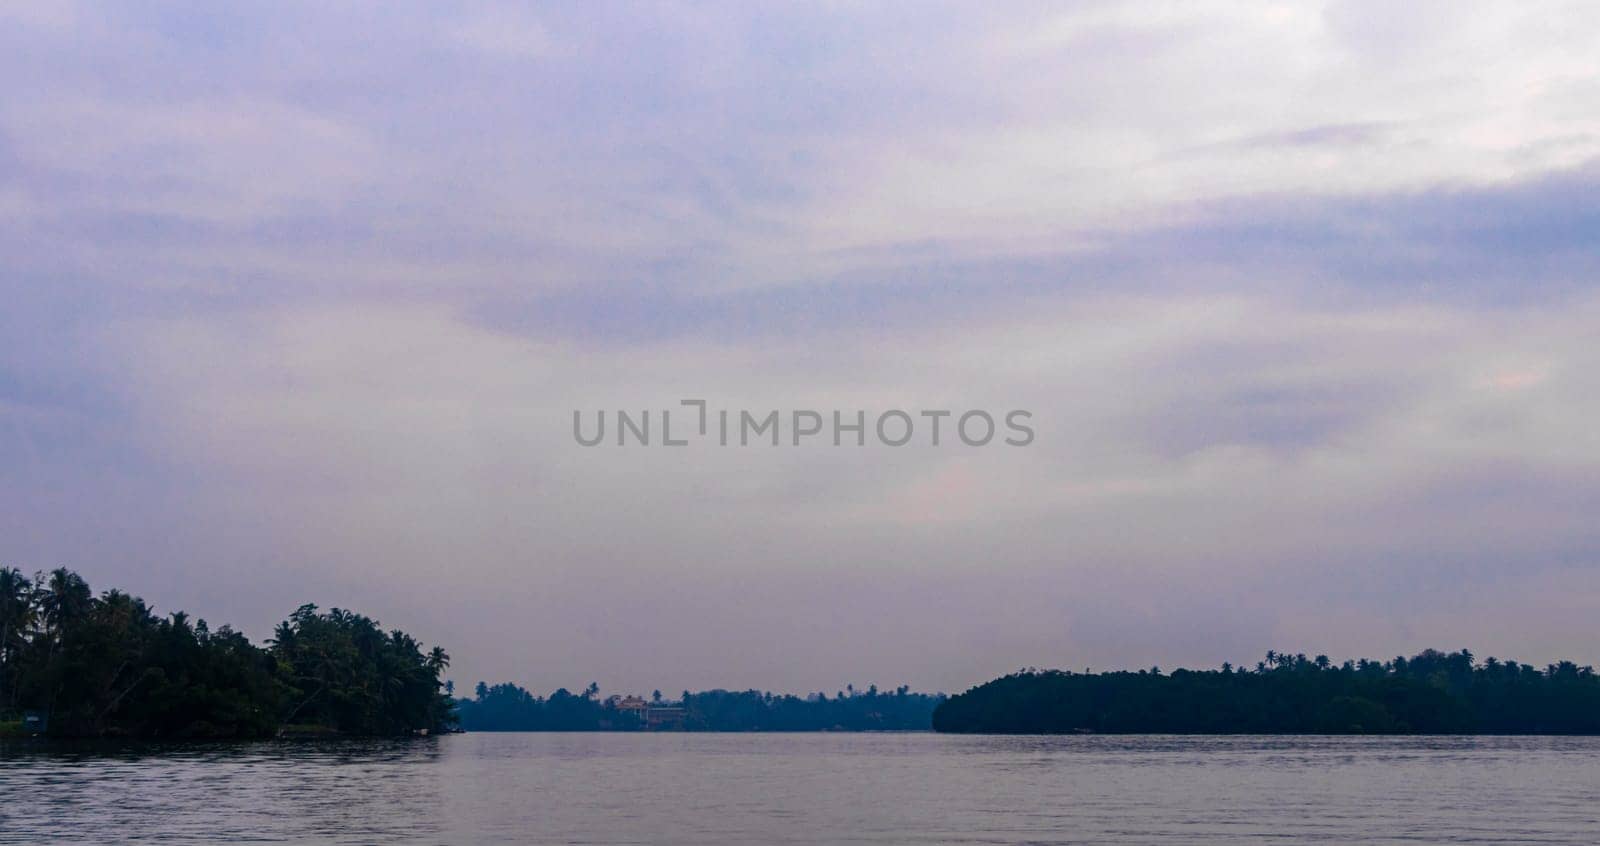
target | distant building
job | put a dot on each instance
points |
(650, 715)
(663, 716)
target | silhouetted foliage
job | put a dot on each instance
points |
(107, 665)
(507, 707)
(1431, 693)
(349, 675)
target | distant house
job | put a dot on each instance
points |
(632, 704)
(35, 722)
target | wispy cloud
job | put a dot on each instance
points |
(299, 299)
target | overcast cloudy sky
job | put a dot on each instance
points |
(296, 303)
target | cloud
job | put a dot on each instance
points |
(300, 299)
(1522, 242)
(1185, 442)
(509, 33)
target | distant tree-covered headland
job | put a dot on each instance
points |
(82, 665)
(507, 707)
(1431, 693)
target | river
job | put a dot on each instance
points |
(809, 788)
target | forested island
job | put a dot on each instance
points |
(1431, 693)
(73, 664)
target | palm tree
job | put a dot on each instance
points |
(66, 599)
(17, 617)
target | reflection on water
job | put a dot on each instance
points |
(345, 791)
(817, 788)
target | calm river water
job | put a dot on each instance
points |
(813, 788)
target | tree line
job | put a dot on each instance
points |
(1430, 693)
(508, 707)
(108, 665)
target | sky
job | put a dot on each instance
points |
(297, 301)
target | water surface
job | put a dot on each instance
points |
(810, 788)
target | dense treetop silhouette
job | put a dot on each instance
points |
(108, 666)
(507, 707)
(1431, 693)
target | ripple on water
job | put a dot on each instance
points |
(836, 788)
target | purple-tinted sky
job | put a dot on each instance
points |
(296, 301)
